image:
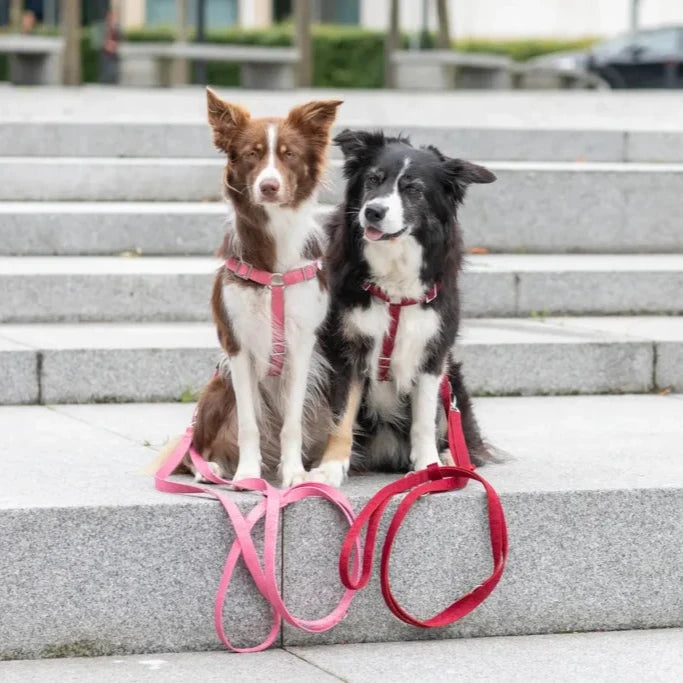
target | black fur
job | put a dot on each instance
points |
(430, 189)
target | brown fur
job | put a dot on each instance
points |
(303, 137)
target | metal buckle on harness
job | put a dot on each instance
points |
(247, 274)
(433, 292)
(277, 280)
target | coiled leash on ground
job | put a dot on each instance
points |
(265, 577)
(433, 479)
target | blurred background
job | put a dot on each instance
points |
(425, 44)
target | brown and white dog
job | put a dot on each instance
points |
(248, 423)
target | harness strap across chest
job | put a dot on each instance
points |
(395, 308)
(276, 282)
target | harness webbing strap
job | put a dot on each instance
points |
(395, 307)
(276, 282)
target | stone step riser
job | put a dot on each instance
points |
(98, 228)
(194, 140)
(634, 201)
(90, 375)
(117, 297)
(154, 592)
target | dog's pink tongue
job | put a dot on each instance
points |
(373, 233)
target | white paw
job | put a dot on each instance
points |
(292, 474)
(446, 458)
(423, 459)
(215, 468)
(332, 472)
(247, 470)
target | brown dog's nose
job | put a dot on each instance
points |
(269, 187)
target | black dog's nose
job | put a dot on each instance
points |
(375, 212)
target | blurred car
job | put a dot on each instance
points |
(651, 58)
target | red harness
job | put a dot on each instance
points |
(395, 308)
(276, 282)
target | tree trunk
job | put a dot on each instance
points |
(392, 41)
(71, 30)
(302, 23)
(16, 10)
(179, 68)
(443, 40)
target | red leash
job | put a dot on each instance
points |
(433, 479)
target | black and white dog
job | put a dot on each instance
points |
(395, 239)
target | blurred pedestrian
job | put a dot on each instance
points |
(108, 61)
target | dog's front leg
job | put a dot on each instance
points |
(248, 437)
(291, 439)
(424, 400)
(337, 456)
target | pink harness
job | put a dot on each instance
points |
(265, 577)
(276, 282)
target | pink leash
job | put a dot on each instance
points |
(265, 576)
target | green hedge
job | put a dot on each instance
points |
(343, 56)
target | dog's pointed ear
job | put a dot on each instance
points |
(314, 119)
(317, 114)
(225, 119)
(459, 174)
(358, 148)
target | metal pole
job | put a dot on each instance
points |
(635, 6)
(302, 22)
(200, 65)
(71, 30)
(443, 40)
(391, 43)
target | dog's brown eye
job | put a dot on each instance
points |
(290, 155)
(372, 181)
(251, 154)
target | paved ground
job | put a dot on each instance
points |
(623, 656)
(606, 110)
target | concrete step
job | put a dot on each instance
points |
(601, 199)
(626, 656)
(103, 228)
(624, 126)
(96, 562)
(173, 228)
(98, 362)
(107, 289)
(145, 139)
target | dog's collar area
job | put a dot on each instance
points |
(427, 298)
(276, 282)
(395, 307)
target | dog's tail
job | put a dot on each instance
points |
(480, 450)
(164, 454)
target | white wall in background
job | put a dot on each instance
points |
(527, 18)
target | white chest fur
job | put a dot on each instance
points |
(249, 311)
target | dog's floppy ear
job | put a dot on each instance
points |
(459, 174)
(225, 119)
(358, 147)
